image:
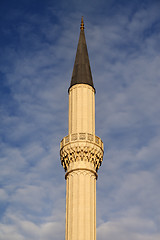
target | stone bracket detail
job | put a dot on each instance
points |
(77, 151)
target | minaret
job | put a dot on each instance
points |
(81, 151)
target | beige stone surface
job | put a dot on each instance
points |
(81, 109)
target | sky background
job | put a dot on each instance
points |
(38, 41)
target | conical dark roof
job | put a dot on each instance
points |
(81, 70)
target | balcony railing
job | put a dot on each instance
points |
(81, 137)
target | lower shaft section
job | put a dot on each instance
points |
(81, 205)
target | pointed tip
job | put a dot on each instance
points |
(81, 70)
(82, 24)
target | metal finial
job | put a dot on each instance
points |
(82, 24)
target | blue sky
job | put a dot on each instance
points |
(37, 48)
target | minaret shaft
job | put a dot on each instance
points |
(82, 109)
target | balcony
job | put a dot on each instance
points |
(84, 137)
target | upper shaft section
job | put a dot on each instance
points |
(81, 70)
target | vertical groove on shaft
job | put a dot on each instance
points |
(70, 205)
(70, 113)
(94, 209)
(91, 212)
(93, 113)
(84, 202)
(80, 213)
(87, 111)
(87, 209)
(67, 189)
(93, 203)
(82, 110)
(73, 205)
(75, 112)
(78, 205)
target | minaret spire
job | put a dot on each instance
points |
(81, 70)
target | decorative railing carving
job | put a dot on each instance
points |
(81, 137)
